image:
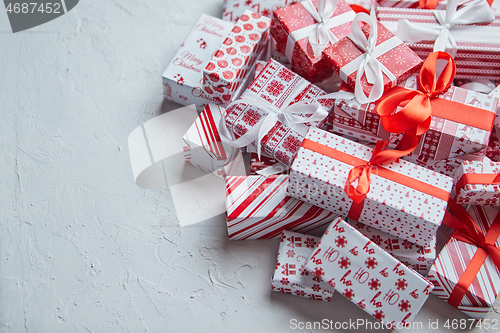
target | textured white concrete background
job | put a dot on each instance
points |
(82, 248)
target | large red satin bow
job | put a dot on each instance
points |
(466, 230)
(380, 156)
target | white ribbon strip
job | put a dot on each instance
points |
(367, 63)
(319, 34)
(453, 26)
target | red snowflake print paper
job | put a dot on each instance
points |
(374, 280)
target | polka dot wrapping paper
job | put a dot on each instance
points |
(404, 200)
(368, 276)
(232, 63)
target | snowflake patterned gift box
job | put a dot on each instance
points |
(203, 147)
(403, 199)
(233, 9)
(257, 207)
(368, 276)
(477, 46)
(292, 27)
(394, 58)
(416, 257)
(230, 65)
(451, 133)
(478, 183)
(278, 87)
(290, 277)
(465, 274)
(182, 80)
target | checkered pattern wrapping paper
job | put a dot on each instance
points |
(397, 209)
(274, 84)
(228, 68)
(368, 276)
(445, 138)
(454, 259)
(475, 59)
(295, 17)
(478, 194)
(290, 277)
(257, 208)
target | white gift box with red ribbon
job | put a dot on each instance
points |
(475, 183)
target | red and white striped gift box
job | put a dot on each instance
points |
(454, 259)
(203, 147)
(475, 59)
(290, 276)
(441, 5)
(258, 208)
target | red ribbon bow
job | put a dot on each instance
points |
(466, 230)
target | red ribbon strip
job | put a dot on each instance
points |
(466, 230)
(478, 178)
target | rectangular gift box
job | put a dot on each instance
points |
(474, 183)
(230, 65)
(345, 57)
(203, 146)
(416, 257)
(183, 76)
(291, 28)
(449, 135)
(279, 87)
(233, 9)
(320, 170)
(257, 208)
(290, 277)
(455, 257)
(441, 5)
(368, 276)
(475, 58)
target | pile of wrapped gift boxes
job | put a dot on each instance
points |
(366, 129)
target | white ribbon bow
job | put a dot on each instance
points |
(476, 11)
(319, 34)
(367, 62)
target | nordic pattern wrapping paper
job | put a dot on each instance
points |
(274, 84)
(257, 208)
(394, 206)
(368, 276)
(454, 259)
(477, 192)
(231, 63)
(290, 276)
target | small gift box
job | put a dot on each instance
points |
(399, 198)
(203, 147)
(181, 79)
(416, 257)
(233, 9)
(270, 96)
(236, 56)
(297, 26)
(290, 277)
(469, 34)
(465, 273)
(257, 208)
(371, 59)
(478, 183)
(368, 276)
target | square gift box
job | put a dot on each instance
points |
(368, 276)
(233, 9)
(279, 87)
(291, 28)
(203, 146)
(182, 80)
(453, 261)
(230, 65)
(478, 183)
(290, 277)
(404, 200)
(478, 46)
(451, 133)
(393, 55)
(257, 208)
